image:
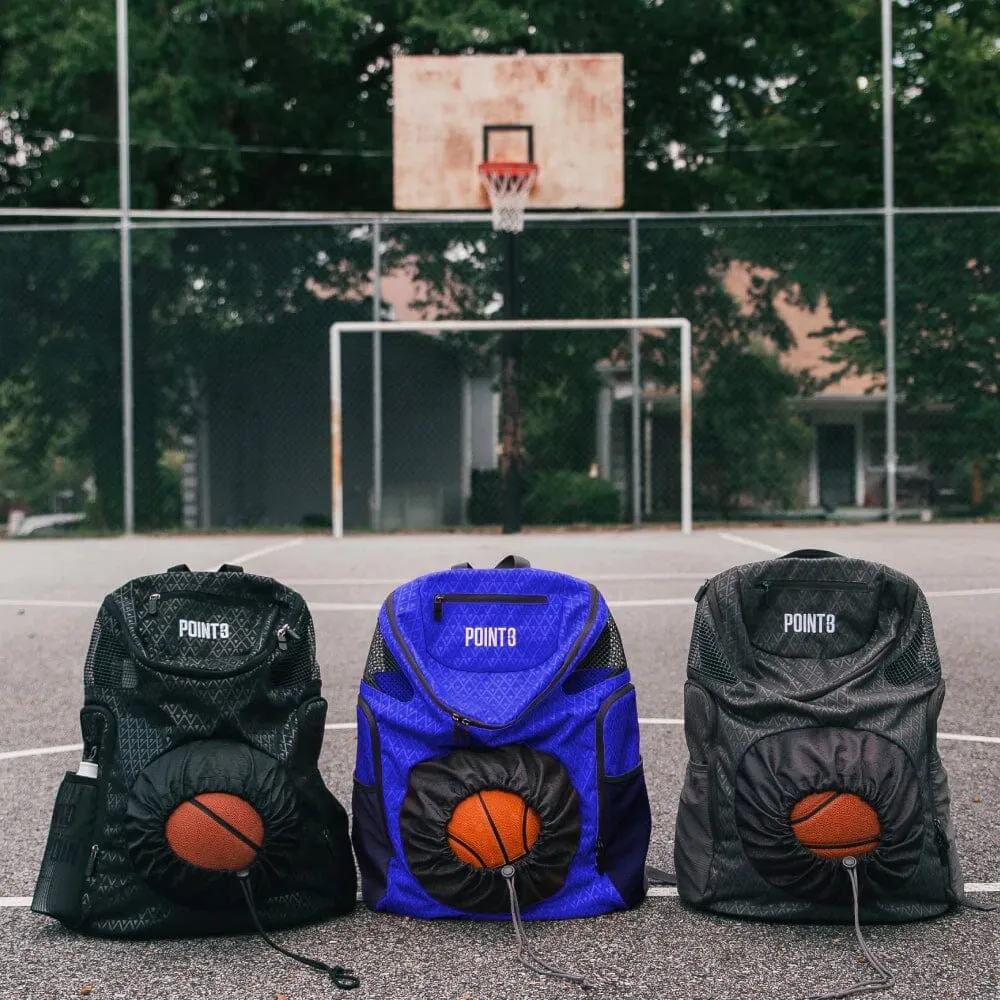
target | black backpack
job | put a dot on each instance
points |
(812, 673)
(197, 684)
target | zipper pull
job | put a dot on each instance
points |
(91, 862)
(154, 600)
(283, 633)
(438, 607)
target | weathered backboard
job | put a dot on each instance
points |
(450, 113)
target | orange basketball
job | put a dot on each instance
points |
(215, 830)
(492, 828)
(836, 824)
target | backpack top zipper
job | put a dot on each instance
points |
(441, 599)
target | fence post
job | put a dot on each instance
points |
(376, 509)
(336, 436)
(633, 249)
(124, 221)
(686, 393)
(889, 223)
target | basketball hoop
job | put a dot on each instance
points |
(508, 186)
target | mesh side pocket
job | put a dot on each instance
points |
(383, 672)
(605, 659)
(919, 659)
(706, 656)
(107, 658)
(607, 653)
(299, 665)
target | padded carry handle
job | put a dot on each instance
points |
(811, 554)
(513, 562)
(179, 568)
(229, 568)
(508, 562)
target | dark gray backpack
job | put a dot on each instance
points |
(201, 692)
(813, 673)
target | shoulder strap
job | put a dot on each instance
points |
(811, 554)
(513, 562)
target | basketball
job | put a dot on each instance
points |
(215, 830)
(492, 828)
(835, 824)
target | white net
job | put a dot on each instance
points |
(508, 185)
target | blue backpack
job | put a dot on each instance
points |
(511, 679)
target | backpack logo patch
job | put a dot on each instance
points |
(490, 637)
(817, 624)
(203, 630)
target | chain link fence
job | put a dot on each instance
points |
(231, 374)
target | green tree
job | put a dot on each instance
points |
(749, 441)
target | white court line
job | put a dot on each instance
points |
(985, 592)
(653, 892)
(740, 540)
(40, 751)
(266, 551)
(351, 581)
(70, 747)
(9, 602)
(317, 606)
(653, 602)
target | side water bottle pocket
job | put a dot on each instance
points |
(59, 889)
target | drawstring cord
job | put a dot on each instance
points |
(343, 979)
(886, 979)
(524, 953)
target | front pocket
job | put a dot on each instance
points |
(943, 832)
(68, 851)
(694, 845)
(624, 831)
(369, 828)
(625, 821)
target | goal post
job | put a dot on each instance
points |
(499, 326)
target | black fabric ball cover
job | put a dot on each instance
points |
(779, 769)
(437, 786)
(210, 766)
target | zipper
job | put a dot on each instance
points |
(282, 633)
(601, 776)
(153, 601)
(441, 599)
(465, 721)
(768, 585)
(253, 660)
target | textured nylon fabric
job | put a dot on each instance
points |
(877, 672)
(149, 690)
(525, 697)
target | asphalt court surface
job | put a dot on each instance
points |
(49, 593)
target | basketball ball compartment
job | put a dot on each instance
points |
(835, 824)
(469, 813)
(200, 813)
(215, 830)
(492, 828)
(806, 798)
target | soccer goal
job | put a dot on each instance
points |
(499, 326)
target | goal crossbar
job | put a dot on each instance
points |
(496, 326)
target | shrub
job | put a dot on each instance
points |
(566, 497)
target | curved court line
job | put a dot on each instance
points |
(653, 892)
(266, 551)
(763, 546)
(70, 747)
(361, 581)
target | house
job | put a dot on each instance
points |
(846, 467)
(262, 455)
